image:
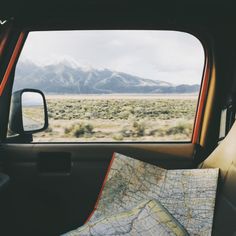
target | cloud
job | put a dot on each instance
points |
(163, 55)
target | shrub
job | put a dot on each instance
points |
(48, 130)
(139, 128)
(118, 137)
(79, 130)
(181, 128)
(127, 133)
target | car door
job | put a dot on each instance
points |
(54, 185)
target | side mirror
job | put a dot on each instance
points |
(28, 112)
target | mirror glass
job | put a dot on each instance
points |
(33, 115)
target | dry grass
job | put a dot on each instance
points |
(119, 118)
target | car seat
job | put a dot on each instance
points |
(224, 158)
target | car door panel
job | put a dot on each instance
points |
(55, 186)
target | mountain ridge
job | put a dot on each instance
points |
(63, 78)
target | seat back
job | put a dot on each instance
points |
(224, 158)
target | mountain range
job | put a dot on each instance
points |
(66, 78)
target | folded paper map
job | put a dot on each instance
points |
(148, 218)
(188, 195)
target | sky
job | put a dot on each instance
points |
(32, 99)
(170, 56)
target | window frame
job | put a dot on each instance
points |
(202, 96)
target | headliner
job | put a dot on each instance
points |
(122, 14)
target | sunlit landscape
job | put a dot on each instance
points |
(97, 118)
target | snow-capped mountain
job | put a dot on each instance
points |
(65, 78)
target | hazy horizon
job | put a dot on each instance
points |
(170, 56)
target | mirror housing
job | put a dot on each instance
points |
(17, 123)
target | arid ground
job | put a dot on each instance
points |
(119, 118)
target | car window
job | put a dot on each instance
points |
(114, 85)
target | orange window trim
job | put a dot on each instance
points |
(201, 104)
(3, 43)
(14, 56)
(4, 40)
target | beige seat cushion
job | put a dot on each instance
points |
(224, 158)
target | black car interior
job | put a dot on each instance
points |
(51, 188)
